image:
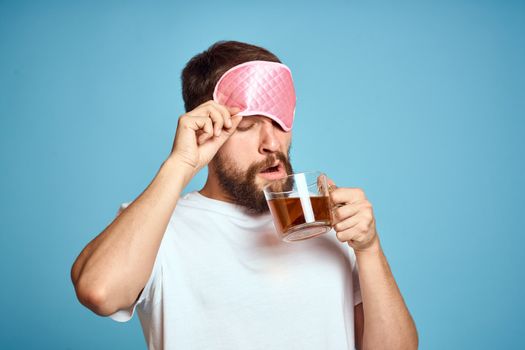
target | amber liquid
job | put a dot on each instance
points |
(288, 213)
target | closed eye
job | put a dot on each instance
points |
(277, 125)
(245, 127)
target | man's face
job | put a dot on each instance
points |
(242, 163)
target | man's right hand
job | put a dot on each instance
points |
(202, 131)
(113, 268)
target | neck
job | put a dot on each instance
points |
(213, 190)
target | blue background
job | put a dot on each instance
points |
(420, 103)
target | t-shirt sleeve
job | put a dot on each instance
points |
(355, 278)
(147, 292)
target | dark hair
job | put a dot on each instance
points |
(204, 70)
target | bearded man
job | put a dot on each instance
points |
(206, 270)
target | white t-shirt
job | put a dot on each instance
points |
(223, 280)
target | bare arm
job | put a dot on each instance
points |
(382, 321)
(359, 324)
(113, 268)
(387, 322)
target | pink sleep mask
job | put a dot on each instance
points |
(259, 87)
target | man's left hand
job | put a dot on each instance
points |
(353, 217)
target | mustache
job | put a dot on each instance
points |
(269, 161)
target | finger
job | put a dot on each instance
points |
(209, 108)
(346, 224)
(352, 234)
(217, 142)
(216, 117)
(225, 135)
(344, 212)
(226, 116)
(331, 184)
(199, 123)
(205, 124)
(204, 137)
(347, 195)
(233, 110)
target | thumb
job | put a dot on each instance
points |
(236, 119)
(331, 184)
(212, 145)
(331, 187)
(233, 110)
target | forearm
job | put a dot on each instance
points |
(387, 321)
(113, 268)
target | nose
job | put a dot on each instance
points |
(269, 141)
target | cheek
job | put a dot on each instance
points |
(240, 150)
(245, 141)
(286, 141)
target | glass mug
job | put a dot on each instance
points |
(300, 205)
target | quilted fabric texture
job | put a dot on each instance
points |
(259, 87)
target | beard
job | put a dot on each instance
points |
(241, 187)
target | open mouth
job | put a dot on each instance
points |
(272, 169)
(273, 172)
